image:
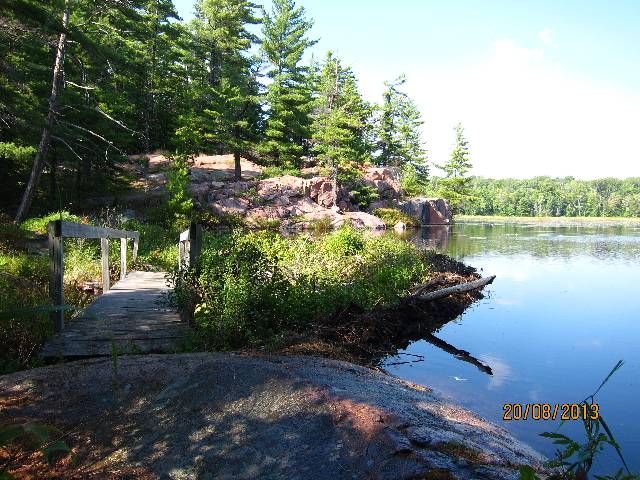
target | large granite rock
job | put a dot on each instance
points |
(216, 415)
(429, 211)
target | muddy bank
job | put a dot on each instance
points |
(208, 415)
(367, 338)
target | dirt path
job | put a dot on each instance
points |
(225, 416)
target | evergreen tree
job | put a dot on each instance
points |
(340, 116)
(456, 185)
(399, 133)
(289, 94)
(225, 115)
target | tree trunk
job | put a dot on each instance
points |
(463, 287)
(238, 168)
(45, 139)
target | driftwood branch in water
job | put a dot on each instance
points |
(463, 287)
(456, 352)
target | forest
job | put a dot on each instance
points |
(83, 86)
(553, 197)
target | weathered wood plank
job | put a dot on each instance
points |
(104, 252)
(56, 275)
(133, 315)
(79, 230)
(123, 258)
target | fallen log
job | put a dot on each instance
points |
(463, 287)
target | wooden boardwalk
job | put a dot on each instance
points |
(134, 315)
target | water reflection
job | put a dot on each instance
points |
(468, 239)
(562, 311)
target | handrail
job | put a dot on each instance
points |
(189, 246)
(58, 231)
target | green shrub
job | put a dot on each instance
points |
(270, 172)
(180, 204)
(40, 224)
(254, 286)
(391, 216)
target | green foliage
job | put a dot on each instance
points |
(391, 216)
(275, 171)
(255, 285)
(29, 437)
(180, 204)
(554, 197)
(399, 131)
(41, 224)
(455, 186)
(363, 194)
(289, 95)
(341, 117)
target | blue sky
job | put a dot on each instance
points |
(542, 88)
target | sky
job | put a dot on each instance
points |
(542, 87)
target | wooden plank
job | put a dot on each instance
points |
(123, 258)
(134, 256)
(56, 275)
(104, 249)
(79, 230)
(195, 243)
(133, 315)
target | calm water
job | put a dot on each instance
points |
(564, 308)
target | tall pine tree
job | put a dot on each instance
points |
(226, 112)
(340, 116)
(455, 187)
(289, 94)
(399, 133)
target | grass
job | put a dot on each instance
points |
(257, 285)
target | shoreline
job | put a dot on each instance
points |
(552, 221)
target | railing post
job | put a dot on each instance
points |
(56, 274)
(195, 243)
(134, 255)
(123, 258)
(104, 248)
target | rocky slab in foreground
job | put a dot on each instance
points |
(224, 416)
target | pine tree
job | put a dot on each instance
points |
(226, 112)
(456, 186)
(289, 94)
(399, 133)
(340, 116)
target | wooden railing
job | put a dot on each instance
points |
(58, 231)
(190, 246)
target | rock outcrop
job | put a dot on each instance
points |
(429, 211)
(226, 416)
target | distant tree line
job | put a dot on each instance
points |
(553, 197)
(83, 83)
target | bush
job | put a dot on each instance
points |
(40, 224)
(255, 286)
(391, 216)
(270, 172)
(180, 204)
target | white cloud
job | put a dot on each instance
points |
(525, 115)
(546, 35)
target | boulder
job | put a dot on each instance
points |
(236, 206)
(400, 227)
(364, 220)
(429, 211)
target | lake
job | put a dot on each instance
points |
(564, 308)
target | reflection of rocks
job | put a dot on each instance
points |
(436, 236)
(429, 211)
